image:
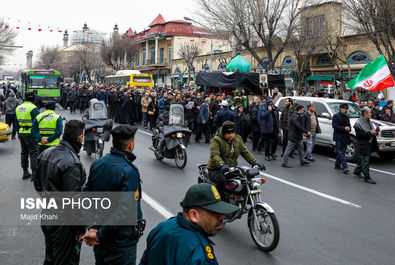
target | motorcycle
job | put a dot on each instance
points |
(170, 141)
(243, 189)
(97, 128)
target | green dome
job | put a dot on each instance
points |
(238, 63)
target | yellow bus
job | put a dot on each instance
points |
(131, 78)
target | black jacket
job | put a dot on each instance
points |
(296, 128)
(307, 121)
(60, 169)
(363, 140)
(376, 114)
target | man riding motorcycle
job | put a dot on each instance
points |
(225, 148)
(162, 120)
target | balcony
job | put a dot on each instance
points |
(161, 62)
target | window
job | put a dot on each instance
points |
(144, 57)
(169, 54)
(359, 57)
(288, 61)
(354, 111)
(254, 44)
(315, 26)
(51, 81)
(320, 108)
(137, 59)
(324, 59)
(162, 55)
(152, 54)
(36, 81)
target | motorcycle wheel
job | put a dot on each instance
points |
(99, 150)
(181, 157)
(268, 234)
(155, 144)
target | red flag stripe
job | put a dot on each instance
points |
(385, 83)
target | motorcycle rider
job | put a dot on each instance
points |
(225, 148)
(162, 120)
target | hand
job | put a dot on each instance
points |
(347, 129)
(44, 140)
(260, 166)
(90, 238)
(308, 133)
(203, 121)
(224, 169)
(270, 107)
(373, 131)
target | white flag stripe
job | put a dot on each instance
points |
(377, 77)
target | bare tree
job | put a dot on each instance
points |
(7, 39)
(118, 52)
(188, 52)
(273, 21)
(87, 56)
(303, 49)
(49, 58)
(376, 19)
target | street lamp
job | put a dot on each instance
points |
(211, 42)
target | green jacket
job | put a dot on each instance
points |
(178, 242)
(222, 151)
(283, 116)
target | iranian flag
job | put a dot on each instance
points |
(374, 77)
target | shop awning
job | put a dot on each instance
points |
(320, 77)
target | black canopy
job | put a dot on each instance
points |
(249, 81)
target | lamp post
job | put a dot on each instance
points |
(211, 43)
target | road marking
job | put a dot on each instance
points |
(144, 132)
(377, 170)
(157, 206)
(326, 196)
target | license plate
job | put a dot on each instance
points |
(392, 144)
(179, 135)
(99, 130)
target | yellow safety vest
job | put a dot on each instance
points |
(24, 117)
(47, 126)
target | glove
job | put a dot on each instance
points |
(259, 165)
(224, 168)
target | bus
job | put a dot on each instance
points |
(46, 82)
(131, 78)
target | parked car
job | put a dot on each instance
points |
(327, 107)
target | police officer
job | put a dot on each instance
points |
(25, 114)
(47, 127)
(184, 239)
(116, 172)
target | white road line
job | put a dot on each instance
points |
(150, 134)
(377, 170)
(326, 196)
(157, 206)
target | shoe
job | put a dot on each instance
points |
(33, 175)
(370, 181)
(13, 138)
(304, 163)
(145, 127)
(273, 157)
(253, 150)
(267, 158)
(26, 175)
(285, 165)
(282, 154)
(310, 159)
(197, 141)
(207, 142)
(338, 167)
(291, 156)
(346, 171)
(358, 175)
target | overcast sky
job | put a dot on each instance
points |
(72, 14)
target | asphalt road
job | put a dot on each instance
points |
(325, 217)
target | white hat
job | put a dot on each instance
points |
(224, 103)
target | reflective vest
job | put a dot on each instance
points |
(24, 117)
(47, 125)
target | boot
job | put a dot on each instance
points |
(26, 174)
(33, 175)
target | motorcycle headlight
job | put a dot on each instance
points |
(179, 135)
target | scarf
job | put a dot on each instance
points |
(365, 125)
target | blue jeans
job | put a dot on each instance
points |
(145, 119)
(341, 155)
(115, 255)
(310, 145)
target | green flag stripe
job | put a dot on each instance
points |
(368, 71)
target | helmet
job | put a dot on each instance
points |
(224, 103)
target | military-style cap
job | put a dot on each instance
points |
(123, 131)
(29, 94)
(51, 104)
(206, 196)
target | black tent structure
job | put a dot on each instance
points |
(248, 81)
